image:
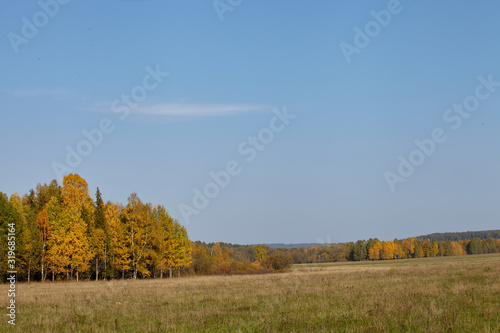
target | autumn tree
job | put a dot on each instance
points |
(182, 248)
(261, 255)
(119, 251)
(399, 252)
(201, 260)
(280, 259)
(7, 217)
(27, 241)
(165, 243)
(69, 245)
(76, 241)
(138, 224)
(434, 249)
(387, 250)
(489, 246)
(42, 223)
(57, 248)
(457, 249)
(419, 252)
(409, 247)
(375, 251)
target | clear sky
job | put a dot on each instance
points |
(361, 80)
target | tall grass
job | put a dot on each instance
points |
(460, 294)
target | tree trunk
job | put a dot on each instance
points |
(161, 273)
(96, 268)
(105, 261)
(52, 276)
(76, 275)
(170, 268)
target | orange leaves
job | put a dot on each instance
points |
(388, 249)
(42, 222)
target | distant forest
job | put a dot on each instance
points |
(438, 236)
(58, 232)
(456, 236)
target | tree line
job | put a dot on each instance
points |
(62, 234)
(456, 236)
(243, 258)
(374, 249)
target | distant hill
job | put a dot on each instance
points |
(456, 236)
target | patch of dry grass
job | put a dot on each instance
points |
(460, 294)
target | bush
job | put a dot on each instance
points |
(280, 260)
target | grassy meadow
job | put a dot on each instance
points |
(449, 294)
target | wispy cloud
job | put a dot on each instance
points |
(197, 110)
(185, 110)
(56, 92)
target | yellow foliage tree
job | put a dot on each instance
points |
(57, 251)
(138, 224)
(261, 255)
(182, 248)
(42, 222)
(119, 251)
(409, 247)
(387, 250)
(374, 251)
(165, 242)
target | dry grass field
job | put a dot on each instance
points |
(451, 294)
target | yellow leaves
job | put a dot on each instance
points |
(409, 246)
(374, 252)
(72, 231)
(121, 252)
(261, 255)
(255, 266)
(69, 247)
(74, 190)
(98, 241)
(388, 250)
(457, 249)
(182, 256)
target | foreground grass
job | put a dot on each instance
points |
(459, 294)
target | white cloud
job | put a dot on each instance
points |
(182, 110)
(196, 110)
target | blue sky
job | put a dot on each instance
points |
(322, 178)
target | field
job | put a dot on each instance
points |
(450, 294)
